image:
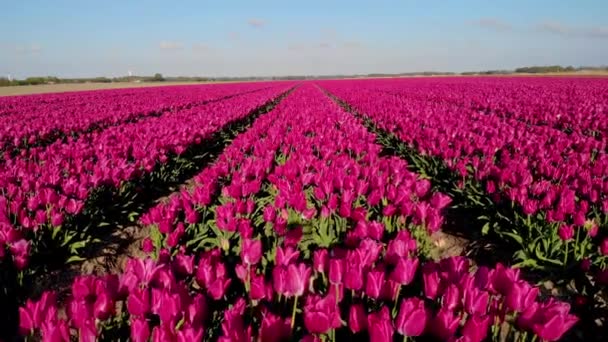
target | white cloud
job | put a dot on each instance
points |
(565, 30)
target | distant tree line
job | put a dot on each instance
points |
(160, 78)
(545, 69)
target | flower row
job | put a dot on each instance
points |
(40, 192)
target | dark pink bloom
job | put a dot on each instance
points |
(521, 295)
(104, 306)
(34, 313)
(455, 268)
(431, 279)
(444, 324)
(357, 319)
(405, 271)
(140, 330)
(258, 287)
(285, 255)
(476, 328)
(251, 251)
(502, 278)
(163, 333)
(604, 247)
(336, 271)
(297, 279)
(380, 326)
(138, 302)
(147, 246)
(189, 333)
(20, 250)
(553, 321)
(321, 314)
(412, 318)
(88, 332)
(390, 290)
(374, 283)
(476, 301)
(55, 330)
(196, 312)
(400, 247)
(183, 264)
(320, 260)
(566, 232)
(375, 230)
(353, 273)
(274, 328)
(440, 201)
(452, 299)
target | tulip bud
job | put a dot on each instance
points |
(336, 271)
(357, 320)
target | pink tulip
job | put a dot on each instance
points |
(476, 301)
(138, 302)
(258, 287)
(452, 299)
(251, 251)
(357, 319)
(20, 251)
(604, 247)
(196, 312)
(162, 333)
(521, 295)
(140, 330)
(297, 279)
(54, 330)
(430, 276)
(285, 255)
(320, 260)
(412, 318)
(553, 321)
(336, 271)
(566, 232)
(147, 246)
(476, 328)
(444, 324)
(189, 333)
(321, 314)
(103, 307)
(183, 264)
(405, 271)
(374, 283)
(274, 328)
(380, 326)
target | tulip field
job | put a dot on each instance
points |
(308, 211)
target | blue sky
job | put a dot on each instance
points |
(263, 37)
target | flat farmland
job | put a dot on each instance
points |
(66, 87)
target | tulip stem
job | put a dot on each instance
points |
(405, 338)
(396, 300)
(578, 232)
(566, 255)
(293, 313)
(337, 294)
